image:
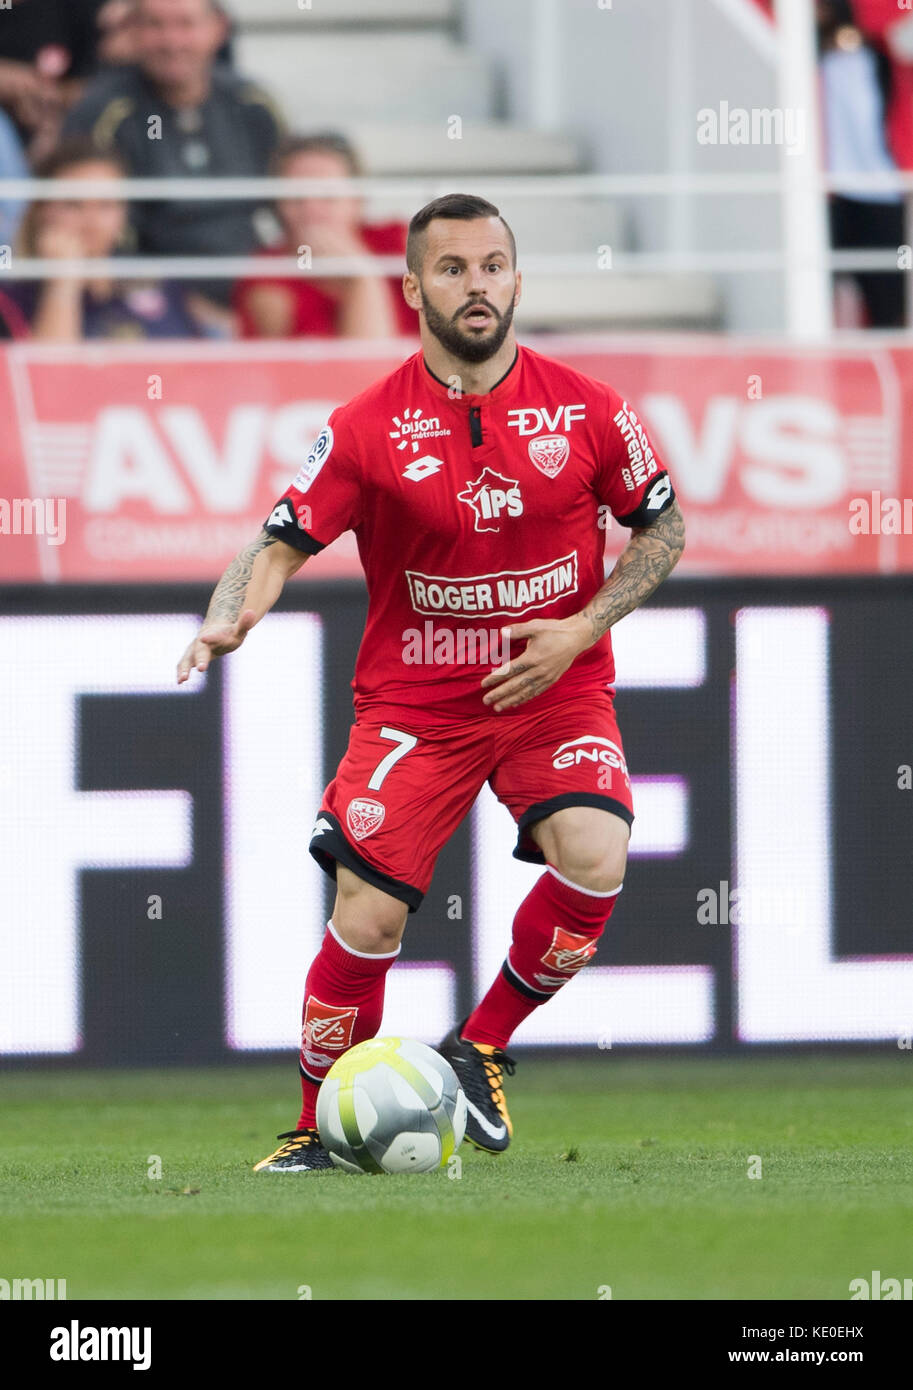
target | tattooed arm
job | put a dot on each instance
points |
(245, 593)
(650, 555)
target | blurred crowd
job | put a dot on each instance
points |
(103, 90)
(107, 89)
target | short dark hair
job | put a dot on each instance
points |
(458, 207)
(73, 150)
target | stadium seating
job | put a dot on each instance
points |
(336, 67)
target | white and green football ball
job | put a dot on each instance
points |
(391, 1105)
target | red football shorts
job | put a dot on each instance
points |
(402, 789)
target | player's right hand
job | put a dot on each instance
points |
(214, 639)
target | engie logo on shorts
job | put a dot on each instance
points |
(590, 749)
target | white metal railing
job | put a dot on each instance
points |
(418, 189)
(268, 267)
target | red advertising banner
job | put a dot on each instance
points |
(124, 463)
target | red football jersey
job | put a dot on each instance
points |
(472, 512)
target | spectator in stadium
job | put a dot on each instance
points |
(117, 42)
(856, 79)
(358, 306)
(68, 309)
(13, 165)
(48, 51)
(179, 113)
(116, 33)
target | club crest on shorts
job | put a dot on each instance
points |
(568, 951)
(363, 816)
(549, 452)
(326, 1026)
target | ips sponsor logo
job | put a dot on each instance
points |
(490, 497)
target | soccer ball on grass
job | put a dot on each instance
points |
(391, 1105)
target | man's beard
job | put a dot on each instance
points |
(459, 343)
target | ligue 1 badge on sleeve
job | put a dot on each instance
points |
(317, 457)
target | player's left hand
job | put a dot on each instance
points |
(553, 643)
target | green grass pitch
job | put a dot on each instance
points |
(623, 1172)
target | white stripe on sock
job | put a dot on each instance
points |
(364, 955)
(590, 892)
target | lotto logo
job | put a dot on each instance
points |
(327, 1026)
(568, 951)
(364, 816)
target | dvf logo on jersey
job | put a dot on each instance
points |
(364, 816)
(530, 420)
(549, 452)
(490, 496)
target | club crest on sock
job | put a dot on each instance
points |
(326, 1029)
(568, 951)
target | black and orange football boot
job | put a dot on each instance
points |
(480, 1069)
(302, 1152)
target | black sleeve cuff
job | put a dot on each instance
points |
(295, 537)
(657, 499)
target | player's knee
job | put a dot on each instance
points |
(594, 867)
(369, 934)
(367, 918)
(368, 927)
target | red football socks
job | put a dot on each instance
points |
(555, 932)
(343, 1005)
